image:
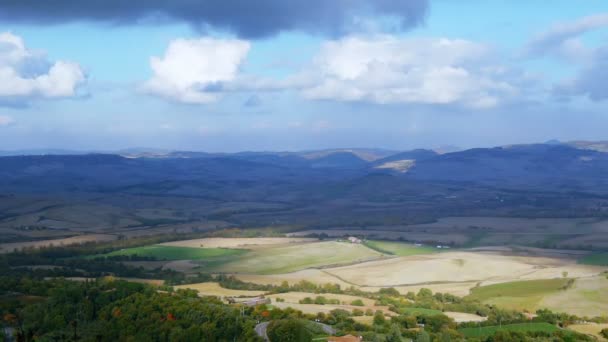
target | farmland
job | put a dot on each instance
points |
(398, 249)
(591, 329)
(214, 289)
(586, 297)
(79, 239)
(287, 259)
(522, 327)
(599, 259)
(520, 295)
(177, 253)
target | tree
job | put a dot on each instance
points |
(357, 302)
(379, 318)
(394, 335)
(288, 330)
(423, 336)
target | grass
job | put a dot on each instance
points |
(518, 295)
(596, 259)
(522, 327)
(398, 248)
(178, 253)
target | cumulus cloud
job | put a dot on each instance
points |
(563, 39)
(26, 74)
(388, 69)
(6, 120)
(196, 70)
(250, 19)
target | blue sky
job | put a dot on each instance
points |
(388, 74)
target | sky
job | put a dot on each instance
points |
(232, 75)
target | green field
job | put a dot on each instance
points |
(285, 259)
(178, 253)
(597, 259)
(523, 327)
(398, 248)
(518, 295)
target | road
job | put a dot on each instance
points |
(261, 328)
(8, 334)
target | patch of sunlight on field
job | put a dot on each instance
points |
(293, 258)
(214, 289)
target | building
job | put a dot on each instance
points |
(346, 338)
(353, 239)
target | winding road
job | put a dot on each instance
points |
(261, 329)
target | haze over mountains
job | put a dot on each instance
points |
(575, 166)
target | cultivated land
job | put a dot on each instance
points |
(458, 266)
(287, 259)
(214, 289)
(243, 243)
(591, 329)
(523, 327)
(521, 295)
(74, 240)
(600, 259)
(177, 253)
(586, 297)
(398, 248)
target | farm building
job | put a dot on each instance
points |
(353, 239)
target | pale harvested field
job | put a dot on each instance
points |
(295, 297)
(316, 276)
(296, 257)
(367, 320)
(214, 289)
(445, 238)
(320, 277)
(590, 329)
(15, 246)
(457, 289)
(244, 243)
(461, 317)
(454, 267)
(316, 308)
(587, 297)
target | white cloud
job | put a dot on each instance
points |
(387, 69)
(196, 70)
(6, 120)
(28, 74)
(562, 39)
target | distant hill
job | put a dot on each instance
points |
(520, 165)
(402, 162)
